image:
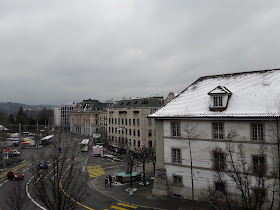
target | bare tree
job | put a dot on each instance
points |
(189, 133)
(15, 197)
(142, 155)
(232, 171)
(130, 159)
(152, 156)
(62, 188)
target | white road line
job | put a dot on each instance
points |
(26, 189)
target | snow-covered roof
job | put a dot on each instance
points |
(253, 94)
(220, 90)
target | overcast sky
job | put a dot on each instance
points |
(56, 51)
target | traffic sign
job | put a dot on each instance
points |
(6, 155)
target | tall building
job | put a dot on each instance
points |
(128, 126)
(62, 115)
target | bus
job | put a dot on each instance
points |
(84, 145)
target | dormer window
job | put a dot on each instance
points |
(219, 98)
(218, 101)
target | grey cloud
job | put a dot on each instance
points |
(57, 51)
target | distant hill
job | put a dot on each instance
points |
(12, 108)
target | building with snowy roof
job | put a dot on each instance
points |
(196, 129)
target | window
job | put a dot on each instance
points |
(133, 132)
(219, 160)
(258, 164)
(129, 121)
(176, 156)
(149, 133)
(220, 186)
(149, 122)
(218, 101)
(138, 133)
(134, 143)
(133, 122)
(257, 132)
(138, 143)
(175, 129)
(150, 143)
(138, 122)
(130, 132)
(259, 194)
(177, 179)
(218, 130)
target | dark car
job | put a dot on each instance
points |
(43, 165)
(15, 175)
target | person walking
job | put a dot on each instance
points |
(106, 181)
(110, 180)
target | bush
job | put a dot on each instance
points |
(10, 161)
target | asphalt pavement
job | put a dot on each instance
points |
(142, 196)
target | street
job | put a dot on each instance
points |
(92, 167)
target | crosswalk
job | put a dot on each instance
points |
(122, 206)
(95, 171)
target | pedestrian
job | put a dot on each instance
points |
(110, 180)
(106, 181)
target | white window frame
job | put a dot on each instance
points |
(177, 179)
(219, 160)
(218, 131)
(176, 156)
(217, 101)
(175, 129)
(257, 130)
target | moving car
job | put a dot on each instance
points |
(15, 175)
(43, 165)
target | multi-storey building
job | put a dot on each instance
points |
(128, 126)
(85, 118)
(216, 123)
(62, 115)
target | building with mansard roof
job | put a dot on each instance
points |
(87, 118)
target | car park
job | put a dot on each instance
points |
(15, 175)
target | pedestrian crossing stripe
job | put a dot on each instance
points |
(95, 171)
(124, 205)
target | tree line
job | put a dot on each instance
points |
(26, 117)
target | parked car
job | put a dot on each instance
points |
(43, 165)
(15, 175)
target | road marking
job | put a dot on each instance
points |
(26, 189)
(95, 171)
(126, 205)
(67, 194)
(116, 207)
